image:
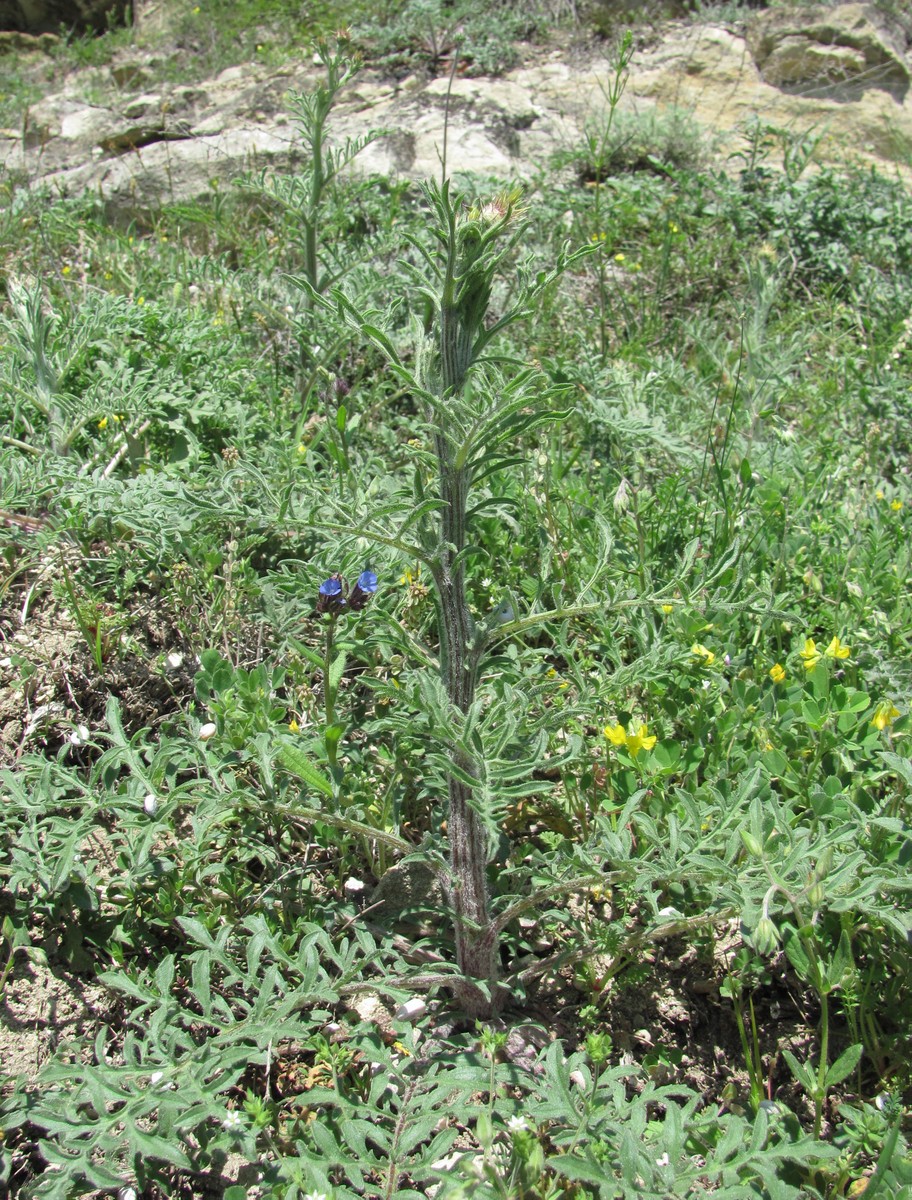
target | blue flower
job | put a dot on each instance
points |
(330, 598)
(363, 590)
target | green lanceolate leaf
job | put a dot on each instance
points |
(295, 760)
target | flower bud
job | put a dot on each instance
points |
(150, 805)
(765, 937)
(751, 844)
(207, 731)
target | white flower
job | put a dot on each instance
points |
(517, 1124)
(150, 805)
(207, 731)
(353, 887)
(80, 735)
(175, 661)
(232, 1122)
(412, 1010)
(315, 1196)
(126, 1193)
(663, 1161)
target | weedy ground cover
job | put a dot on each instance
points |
(543, 550)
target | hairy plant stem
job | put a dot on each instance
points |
(460, 652)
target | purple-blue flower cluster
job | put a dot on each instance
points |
(332, 596)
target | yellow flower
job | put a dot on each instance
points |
(701, 652)
(65, 271)
(810, 654)
(672, 227)
(878, 495)
(635, 739)
(140, 299)
(837, 650)
(667, 608)
(103, 423)
(619, 258)
(896, 505)
(884, 715)
(597, 237)
(409, 577)
(293, 726)
(777, 673)
(302, 449)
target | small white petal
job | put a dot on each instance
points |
(412, 1010)
(207, 731)
(126, 1193)
(578, 1078)
(174, 660)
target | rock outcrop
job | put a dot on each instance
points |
(842, 71)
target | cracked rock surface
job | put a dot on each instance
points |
(843, 71)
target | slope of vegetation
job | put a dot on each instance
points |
(549, 542)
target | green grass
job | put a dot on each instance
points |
(697, 701)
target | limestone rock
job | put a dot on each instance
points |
(843, 71)
(822, 50)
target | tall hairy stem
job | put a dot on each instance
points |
(476, 934)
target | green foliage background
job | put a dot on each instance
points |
(722, 511)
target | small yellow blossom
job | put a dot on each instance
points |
(140, 299)
(701, 652)
(597, 237)
(619, 258)
(672, 227)
(896, 505)
(195, 10)
(65, 271)
(810, 654)
(837, 650)
(884, 715)
(878, 495)
(103, 423)
(777, 673)
(302, 449)
(635, 739)
(667, 608)
(410, 577)
(293, 726)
